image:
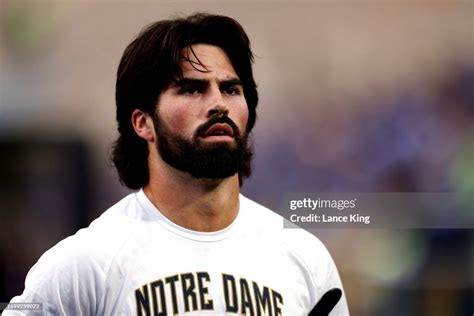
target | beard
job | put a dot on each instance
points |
(217, 160)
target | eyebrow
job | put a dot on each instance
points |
(204, 82)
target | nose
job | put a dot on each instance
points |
(217, 110)
(218, 105)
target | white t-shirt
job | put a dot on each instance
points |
(132, 260)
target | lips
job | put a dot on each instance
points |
(219, 129)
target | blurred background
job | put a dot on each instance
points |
(356, 96)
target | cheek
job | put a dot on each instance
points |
(178, 119)
(242, 116)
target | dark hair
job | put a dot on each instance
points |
(149, 65)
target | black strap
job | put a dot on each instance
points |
(326, 303)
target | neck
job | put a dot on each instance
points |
(196, 204)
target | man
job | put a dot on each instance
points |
(187, 242)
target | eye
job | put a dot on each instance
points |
(189, 90)
(232, 90)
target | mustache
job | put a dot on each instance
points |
(217, 118)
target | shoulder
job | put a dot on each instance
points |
(304, 248)
(269, 222)
(106, 234)
(74, 270)
(256, 214)
(299, 247)
(98, 242)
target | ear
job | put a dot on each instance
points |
(143, 125)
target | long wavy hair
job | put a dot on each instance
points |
(151, 62)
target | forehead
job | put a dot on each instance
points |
(203, 60)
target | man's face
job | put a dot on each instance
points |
(201, 119)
